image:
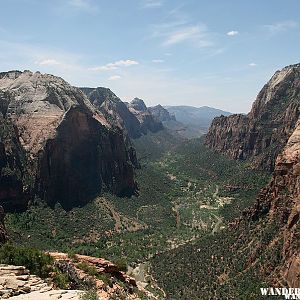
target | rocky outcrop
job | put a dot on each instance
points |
(138, 105)
(262, 134)
(16, 280)
(73, 152)
(161, 114)
(113, 108)
(51, 295)
(147, 121)
(107, 278)
(79, 273)
(134, 118)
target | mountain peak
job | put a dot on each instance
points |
(138, 104)
(161, 114)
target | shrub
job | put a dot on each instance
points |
(121, 263)
(61, 280)
(92, 271)
(37, 262)
(90, 295)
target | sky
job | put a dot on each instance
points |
(217, 53)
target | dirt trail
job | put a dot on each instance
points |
(116, 216)
(121, 222)
(217, 226)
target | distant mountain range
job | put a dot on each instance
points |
(192, 121)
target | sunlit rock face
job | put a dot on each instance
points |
(261, 134)
(68, 150)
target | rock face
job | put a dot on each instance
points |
(270, 137)
(71, 151)
(138, 105)
(279, 203)
(113, 108)
(262, 134)
(161, 113)
(134, 118)
(13, 176)
(16, 280)
(147, 121)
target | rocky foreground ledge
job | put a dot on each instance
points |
(81, 272)
(16, 282)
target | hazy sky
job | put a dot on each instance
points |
(217, 53)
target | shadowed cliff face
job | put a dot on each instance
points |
(262, 134)
(70, 151)
(13, 177)
(83, 160)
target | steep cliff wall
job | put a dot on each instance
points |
(14, 183)
(262, 134)
(279, 203)
(269, 137)
(72, 151)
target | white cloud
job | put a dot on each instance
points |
(85, 5)
(114, 77)
(152, 3)
(157, 60)
(115, 65)
(252, 64)
(281, 26)
(197, 35)
(232, 33)
(48, 62)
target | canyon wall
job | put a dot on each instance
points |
(263, 132)
(60, 147)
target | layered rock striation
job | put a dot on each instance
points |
(68, 150)
(261, 134)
